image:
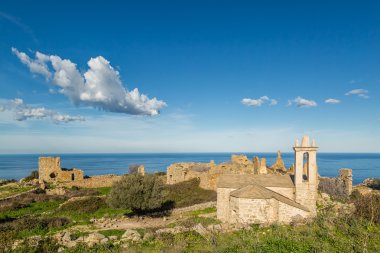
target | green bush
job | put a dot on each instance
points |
(86, 205)
(137, 192)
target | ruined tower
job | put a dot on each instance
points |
(48, 168)
(306, 184)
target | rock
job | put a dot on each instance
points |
(113, 237)
(71, 244)
(131, 235)
(104, 240)
(148, 236)
(175, 230)
(214, 227)
(66, 237)
(61, 249)
(94, 238)
(200, 229)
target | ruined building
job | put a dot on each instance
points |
(208, 173)
(271, 198)
(49, 170)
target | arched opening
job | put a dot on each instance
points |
(72, 177)
(305, 173)
(52, 175)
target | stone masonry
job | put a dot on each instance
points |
(208, 173)
(274, 197)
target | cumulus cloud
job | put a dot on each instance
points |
(332, 101)
(99, 87)
(358, 92)
(302, 102)
(23, 112)
(258, 102)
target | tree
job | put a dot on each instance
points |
(137, 192)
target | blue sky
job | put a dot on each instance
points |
(228, 76)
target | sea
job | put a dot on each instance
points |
(364, 165)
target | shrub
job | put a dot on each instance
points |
(8, 181)
(33, 175)
(137, 192)
(87, 205)
(368, 207)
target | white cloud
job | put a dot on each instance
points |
(359, 92)
(258, 102)
(23, 112)
(99, 87)
(302, 102)
(37, 66)
(332, 101)
(273, 102)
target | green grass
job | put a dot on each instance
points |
(32, 209)
(322, 235)
(204, 211)
(84, 218)
(104, 190)
(112, 232)
(7, 191)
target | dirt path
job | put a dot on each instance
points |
(143, 222)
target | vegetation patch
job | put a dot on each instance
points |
(85, 205)
(139, 193)
(188, 193)
(112, 232)
(7, 191)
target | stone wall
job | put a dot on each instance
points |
(223, 203)
(255, 211)
(94, 181)
(208, 173)
(48, 168)
(338, 187)
(70, 175)
(288, 214)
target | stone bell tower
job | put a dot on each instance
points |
(305, 174)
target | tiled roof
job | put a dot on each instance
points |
(240, 180)
(255, 191)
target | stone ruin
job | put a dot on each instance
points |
(340, 186)
(50, 171)
(208, 173)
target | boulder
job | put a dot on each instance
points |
(131, 235)
(94, 238)
(200, 229)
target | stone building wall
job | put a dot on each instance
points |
(48, 168)
(287, 214)
(254, 211)
(223, 203)
(340, 186)
(208, 173)
(70, 175)
(287, 192)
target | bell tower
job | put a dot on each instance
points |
(305, 174)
